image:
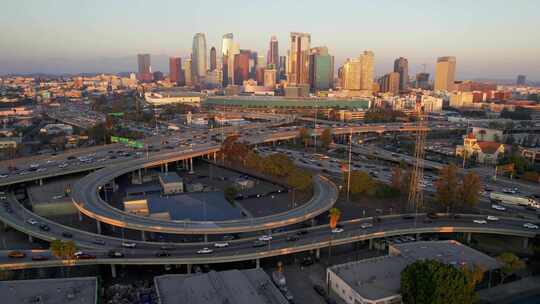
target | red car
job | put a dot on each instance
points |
(16, 254)
(39, 257)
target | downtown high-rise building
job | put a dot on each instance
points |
(521, 80)
(351, 74)
(144, 68)
(282, 68)
(229, 49)
(213, 59)
(367, 62)
(273, 54)
(401, 66)
(241, 67)
(298, 63)
(445, 74)
(422, 81)
(390, 83)
(176, 74)
(321, 69)
(198, 57)
(187, 64)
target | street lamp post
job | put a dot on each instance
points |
(349, 168)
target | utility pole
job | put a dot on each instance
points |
(416, 197)
(349, 169)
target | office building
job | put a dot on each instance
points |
(198, 57)
(273, 54)
(145, 69)
(229, 49)
(187, 72)
(521, 80)
(351, 74)
(213, 59)
(401, 66)
(270, 78)
(321, 68)
(367, 61)
(176, 74)
(282, 68)
(445, 73)
(377, 280)
(422, 81)
(158, 76)
(298, 65)
(389, 83)
(241, 66)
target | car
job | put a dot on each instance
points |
(530, 226)
(480, 221)
(39, 257)
(408, 217)
(98, 242)
(205, 250)
(3, 198)
(59, 196)
(162, 254)
(221, 244)
(265, 238)
(3, 175)
(427, 221)
(84, 256)
(63, 165)
(432, 216)
(259, 244)
(337, 230)
(307, 261)
(366, 225)
(115, 254)
(498, 207)
(492, 218)
(228, 237)
(67, 234)
(320, 290)
(16, 254)
(41, 170)
(31, 221)
(129, 245)
(292, 238)
(34, 165)
(44, 227)
(302, 232)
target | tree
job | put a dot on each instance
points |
(299, 179)
(254, 161)
(396, 178)
(470, 189)
(432, 282)
(279, 165)
(234, 151)
(511, 264)
(56, 248)
(447, 186)
(361, 182)
(62, 249)
(230, 193)
(304, 136)
(326, 137)
(97, 133)
(475, 274)
(334, 214)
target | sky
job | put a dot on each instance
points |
(490, 38)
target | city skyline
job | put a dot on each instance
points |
(486, 47)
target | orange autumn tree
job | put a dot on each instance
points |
(334, 215)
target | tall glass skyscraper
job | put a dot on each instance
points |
(321, 69)
(401, 66)
(273, 53)
(367, 62)
(213, 59)
(445, 73)
(298, 66)
(198, 63)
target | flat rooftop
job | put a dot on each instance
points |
(379, 277)
(252, 286)
(170, 177)
(50, 291)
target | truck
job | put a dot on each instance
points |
(509, 199)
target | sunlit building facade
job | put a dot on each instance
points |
(298, 63)
(198, 63)
(445, 73)
(401, 66)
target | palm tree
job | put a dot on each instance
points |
(334, 215)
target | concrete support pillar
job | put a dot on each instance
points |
(140, 175)
(313, 222)
(215, 156)
(206, 238)
(30, 239)
(257, 263)
(468, 237)
(113, 271)
(166, 167)
(370, 244)
(188, 268)
(79, 215)
(191, 166)
(98, 225)
(417, 237)
(41, 181)
(318, 253)
(525, 243)
(143, 236)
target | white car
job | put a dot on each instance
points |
(530, 226)
(480, 221)
(221, 244)
(34, 166)
(366, 225)
(3, 175)
(129, 245)
(59, 196)
(498, 207)
(337, 230)
(205, 251)
(63, 165)
(41, 169)
(492, 218)
(265, 238)
(31, 221)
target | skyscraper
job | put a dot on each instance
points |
(228, 50)
(241, 66)
(390, 82)
(367, 61)
(282, 68)
(422, 81)
(198, 58)
(273, 53)
(213, 59)
(145, 68)
(521, 80)
(445, 73)
(187, 72)
(175, 70)
(351, 74)
(321, 69)
(401, 66)
(298, 65)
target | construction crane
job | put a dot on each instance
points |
(416, 197)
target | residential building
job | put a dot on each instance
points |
(367, 70)
(351, 74)
(401, 66)
(321, 68)
(273, 54)
(198, 58)
(298, 64)
(187, 72)
(422, 81)
(445, 73)
(270, 78)
(431, 104)
(213, 59)
(461, 100)
(176, 74)
(484, 152)
(390, 83)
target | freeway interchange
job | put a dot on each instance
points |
(110, 161)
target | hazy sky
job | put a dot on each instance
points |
(490, 38)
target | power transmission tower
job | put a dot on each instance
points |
(416, 196)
